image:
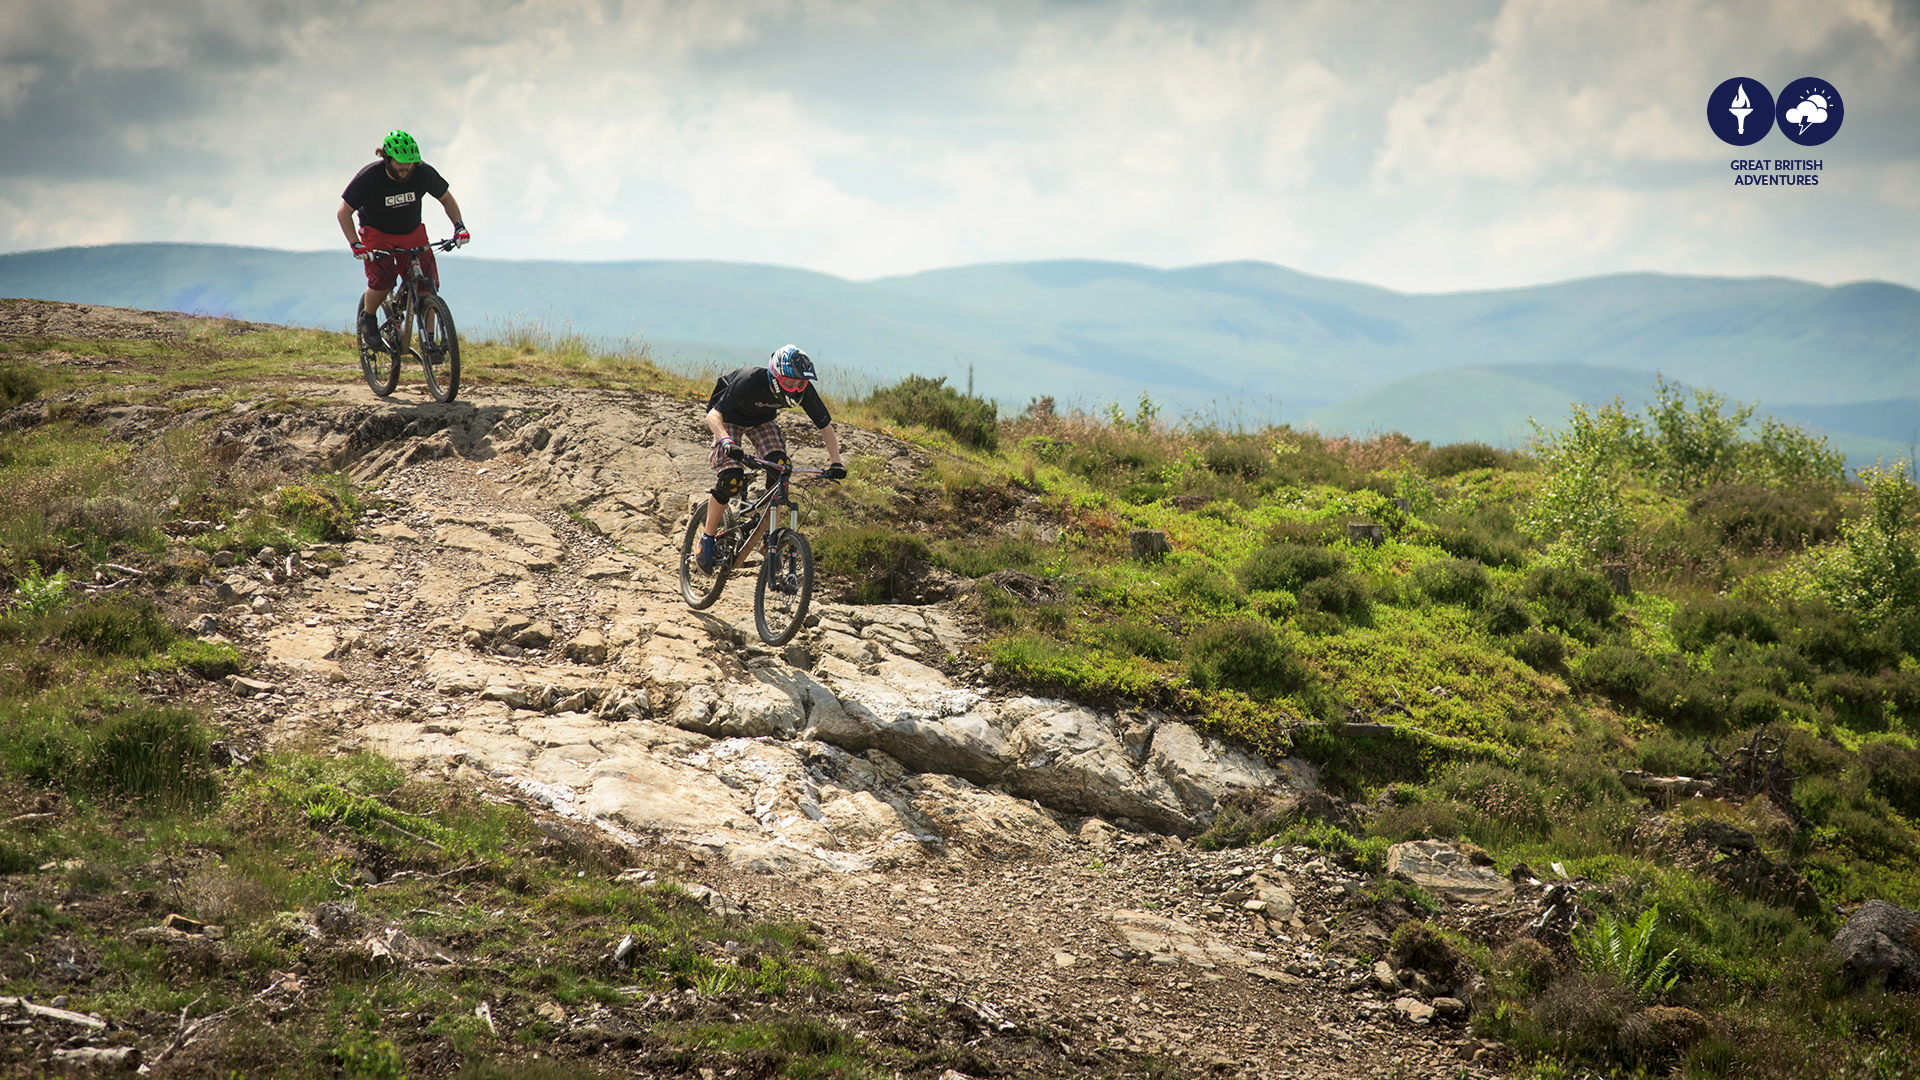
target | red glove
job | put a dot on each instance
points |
(460, 234)
(361, 251)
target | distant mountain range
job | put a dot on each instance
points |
(1242, 341)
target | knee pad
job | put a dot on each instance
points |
(778, 457)
(731, 482)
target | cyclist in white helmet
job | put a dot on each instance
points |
(742, 409)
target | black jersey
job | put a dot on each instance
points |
(748, 397)
(388, 205)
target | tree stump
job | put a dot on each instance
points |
(1366, 532)
(1617, 577)
(1149, 544)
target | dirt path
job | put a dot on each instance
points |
(1094, 935)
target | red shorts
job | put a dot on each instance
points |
(382, 273)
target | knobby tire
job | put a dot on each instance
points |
(693, 580)
(380, 366)
(784, 586)
(439, 351)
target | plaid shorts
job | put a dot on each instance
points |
(763, 439)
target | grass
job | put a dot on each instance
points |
(1504, 683)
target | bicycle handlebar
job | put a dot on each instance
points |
(787, 467)
(382, 253)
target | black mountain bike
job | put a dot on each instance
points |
(785, 584)
(413, 311)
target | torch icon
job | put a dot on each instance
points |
(1741, 107)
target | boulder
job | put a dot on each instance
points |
(1200, 768)
(1445, 870)
(1880, 945)
(587, 647)
(1071, 759)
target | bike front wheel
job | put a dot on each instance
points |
(379, 365)
(439, 350)
(785, 585)
(700, 588)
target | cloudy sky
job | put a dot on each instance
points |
(1426, 146)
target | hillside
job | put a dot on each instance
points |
(370, 738)
(1235, 339)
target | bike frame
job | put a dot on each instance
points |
(766, 509)
(402, 298)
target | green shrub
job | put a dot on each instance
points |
(41, 593)
(931, 403)
(1618, 671)
(1242, 457)
(1140, 639)
(1454, 581)
(1749, 518)
(1894, 774)
(1490, 537)
(314, 513)
(126, 626)
(108, 517)
(19, 384)
(1612, 947)
(1507, 614)
(1455, 458)
(1208, 589)
(1342, 595)
(1701, 623)
(143, 753)
(865, 551)
(1540, 651)
(973, 558)
(1289, 566)
(1577, 601)
(1245, 655)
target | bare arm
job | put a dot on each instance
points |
(345, 216)
(452, 207)
(714, 425)
(832, 439)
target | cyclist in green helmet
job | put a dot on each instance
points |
(386, 194)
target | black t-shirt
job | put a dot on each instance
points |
(389, 205)
(748, 397)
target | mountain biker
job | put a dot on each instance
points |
(386, 194)
(743, 407)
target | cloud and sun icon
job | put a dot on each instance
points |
(1813, 110)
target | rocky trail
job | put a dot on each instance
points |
(509, 616)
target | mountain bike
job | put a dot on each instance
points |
(412, 303)
(785, 582)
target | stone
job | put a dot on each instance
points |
(587, 647)
(1449, 1008)
(246, 688)
(1415, 1010)
(1149, 544)
(1071, 759)
(1383, 978)
(535, 636)
(204, 626)
(1880, 946)
(1201, 768)
(1446, 871)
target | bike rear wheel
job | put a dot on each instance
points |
(379, 365)
(700, 589)
(784, 586)
(439, 350)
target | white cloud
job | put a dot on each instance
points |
(1456, 144)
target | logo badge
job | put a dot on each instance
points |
(1810, 111)
(1740, 111)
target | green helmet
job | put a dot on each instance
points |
(400, 146)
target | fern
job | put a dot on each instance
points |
(1626, 952)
